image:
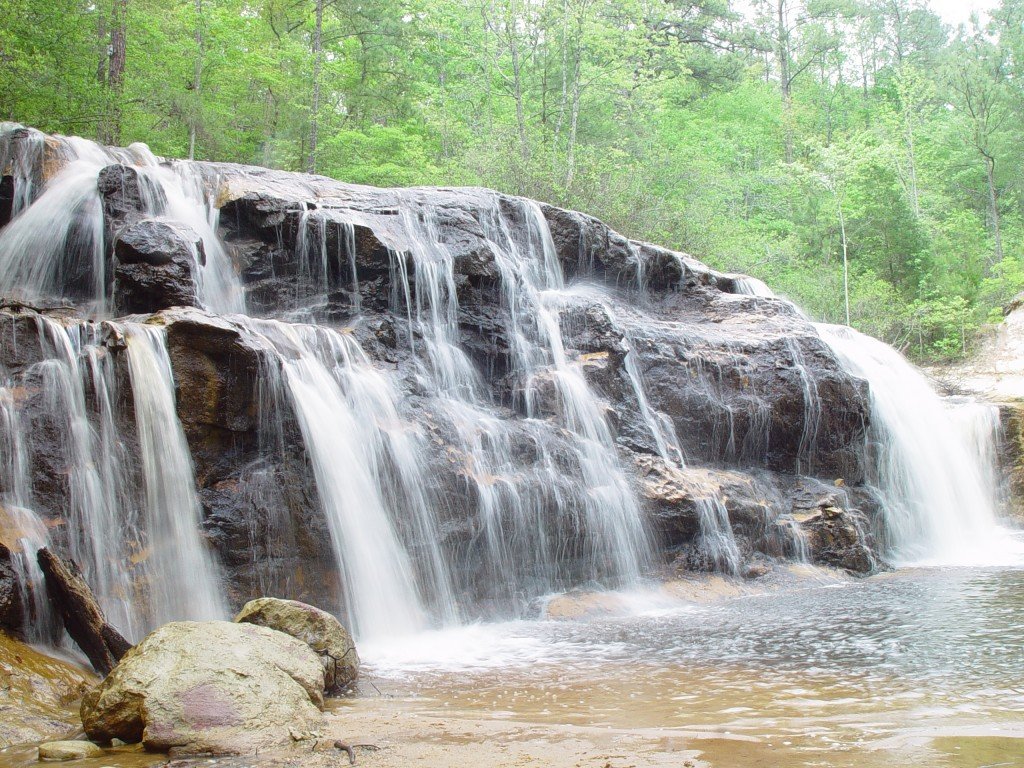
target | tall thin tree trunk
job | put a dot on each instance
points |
(846, 260)
(117, 57)
(575, 114)
(517, 94)
(784, 79)
(993, 202)
(915, 198)
(318, 53)
(197, 83)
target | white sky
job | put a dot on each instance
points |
(959, 11)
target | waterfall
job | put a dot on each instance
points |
(21, 530)
(930, 460)
(938, 496)
(96, 482)
(181, 578)
(369, 477)
(461, 473)
(518, 546)
(54, 246)
(141, 554)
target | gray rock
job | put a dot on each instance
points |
(209, 687)
(316, 628)
(155, 266)
(56, 751)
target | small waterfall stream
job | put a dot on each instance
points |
(939, 498)
(368, 475)
(55, 245)
(931, 461)
(182, 579)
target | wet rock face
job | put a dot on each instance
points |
(745, 382)
(12, 609)
(155, 266)
(36, 694)
(754, 397)
(836, 523)
(153, 262)
(209, 688)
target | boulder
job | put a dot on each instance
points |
(836, 537)
(57, 751)
(211, 687)
(316, 628)
(155, 266)
(36, 694)
(127, 194)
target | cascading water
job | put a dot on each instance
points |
(182, 579)
(715, 544)
(54, 246)
(607, 522)
(549, 502)
(368, 475)
(21, 530)
(930, 460)
(938, 499)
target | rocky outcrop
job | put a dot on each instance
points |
(155, 266)
(37, 694)
(209, 688)
(317, 629)
(836, 526)
(154, 262)
(753, 400)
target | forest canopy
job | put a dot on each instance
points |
(771, 137)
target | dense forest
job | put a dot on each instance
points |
(783, 138)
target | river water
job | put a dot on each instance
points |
(918, 667)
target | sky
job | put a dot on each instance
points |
(959, 11)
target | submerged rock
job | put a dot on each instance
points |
(316, 628)
(209, 687)
(57, 751)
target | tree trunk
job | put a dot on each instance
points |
(115, 72)
(83, 618)
(993, 202)
(784, 78)
(846, 260)
(575, 115)
(318, 53)
(197, 83)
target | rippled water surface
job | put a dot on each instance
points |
(918, 667)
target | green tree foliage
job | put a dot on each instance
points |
(770, 136)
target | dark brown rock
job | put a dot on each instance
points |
(83, 619)
(155, 266)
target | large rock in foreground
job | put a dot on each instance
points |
(209, 687)
(318, 629)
